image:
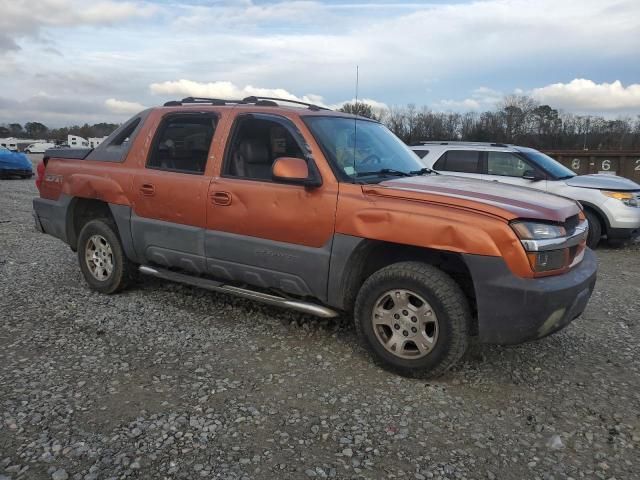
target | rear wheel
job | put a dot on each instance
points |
(413, 318)
(101, 257)
(595, 229)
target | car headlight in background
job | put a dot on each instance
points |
(538, 231)
(628, 198)
(548, 246)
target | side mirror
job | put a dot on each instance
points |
(532, 175)
(295, 171)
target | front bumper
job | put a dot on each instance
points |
(514, 310)
(622, 221)
(623, 233)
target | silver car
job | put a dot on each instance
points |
(611, 203)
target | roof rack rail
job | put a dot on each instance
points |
(268, 100)
(440, 142)
(201, 100)
(255, 100)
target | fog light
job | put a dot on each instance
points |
(548, 260)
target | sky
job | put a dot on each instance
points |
(65, 62)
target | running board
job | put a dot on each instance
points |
(300, 306)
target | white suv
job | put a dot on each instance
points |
(611, 204)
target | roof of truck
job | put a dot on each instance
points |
(269, 103)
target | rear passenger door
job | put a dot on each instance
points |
(461, 163)
(169, 213)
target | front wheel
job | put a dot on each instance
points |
(101, 257)
(595, 229)
(413, 318)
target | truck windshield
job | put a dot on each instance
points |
(548, 164)
(363, 148)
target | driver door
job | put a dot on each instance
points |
(506, 167)
(262, 232)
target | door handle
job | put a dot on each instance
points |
(221, 198)
(148, 189)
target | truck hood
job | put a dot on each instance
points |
(602, 181)
(506, 201)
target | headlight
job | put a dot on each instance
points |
(548, 246)
(628, 198)
(538, 231)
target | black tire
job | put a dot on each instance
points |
(122, 269)
(445, 298)
(595, 229)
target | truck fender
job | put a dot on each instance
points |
(83, 185)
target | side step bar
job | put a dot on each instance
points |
(300, 306)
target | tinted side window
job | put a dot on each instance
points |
(256, 144)
(421, 153)
(464, 161)
(125, 135)
(440, 163)
(182, 143)
(506, 164)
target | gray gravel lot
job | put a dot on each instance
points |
(168, 381)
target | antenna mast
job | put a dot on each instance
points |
(355, 125)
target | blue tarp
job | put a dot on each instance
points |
(13, 160)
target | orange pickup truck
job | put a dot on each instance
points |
(322, 212)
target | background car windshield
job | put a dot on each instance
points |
(547, 163)
(359, 146)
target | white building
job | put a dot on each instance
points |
(77, 142)
(10, 143)
(95, 141)
(17, 144)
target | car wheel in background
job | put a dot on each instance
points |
(413, 318)
(595, 229)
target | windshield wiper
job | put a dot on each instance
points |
(423, 171)
(385, 171)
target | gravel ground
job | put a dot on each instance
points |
(167, 381)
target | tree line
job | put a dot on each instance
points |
(37, 130)
(516, 119)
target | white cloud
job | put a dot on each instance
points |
(20, 18)
(234, 14)
(230, 91)
(123, 107)
(309, 49)
(56, 110)
(224, 90)
(375, 104)
(583, 95)
(482, 98)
